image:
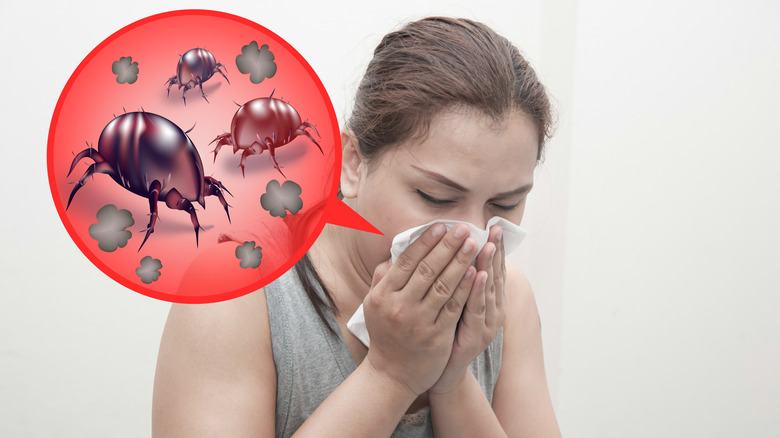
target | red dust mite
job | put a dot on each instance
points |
(150, 156)
(195, 67)
(264, 123)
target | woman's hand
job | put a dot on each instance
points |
(414, 305)
(484, 314)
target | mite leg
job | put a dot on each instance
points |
(222, 140)
(316, 143)
(270, 145)
(187, 86)
(86, 153)
(219, 68)
(305, 125)
(252, 150)
(214, 187)
(272, 149)
(200, 84)
(173, 80)
(175, 201)
(302, 131)
(154, 196)
(99, 167)
(242, 163)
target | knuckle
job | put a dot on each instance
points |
(463, 259)
(375, 299)
(453, 305)
(404, 262)
(425, 271)
(451, 243)
(440, 288)
(396, 314)
(377, 277)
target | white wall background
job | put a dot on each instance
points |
(671, 294)
(652, 245)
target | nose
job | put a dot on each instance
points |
(476, 216)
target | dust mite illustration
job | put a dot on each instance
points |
(264, 123)
(150, 156)
(195, 67)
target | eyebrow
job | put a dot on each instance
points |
(524, 189)
(448, 182)
(442, 179)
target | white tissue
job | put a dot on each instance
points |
(512, 236)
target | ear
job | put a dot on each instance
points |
(352, 165)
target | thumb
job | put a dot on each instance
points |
(380, 272)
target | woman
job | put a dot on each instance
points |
(449, 122)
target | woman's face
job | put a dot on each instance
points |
(469, 168)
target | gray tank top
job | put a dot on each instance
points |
(311, 362)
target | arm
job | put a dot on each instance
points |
(521, 401)
(216, 375)
(367, 403)
(412, 310)
(215, 372)
(459, 408)
(464, 412)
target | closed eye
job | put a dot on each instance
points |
(435, 201)
(506, 207)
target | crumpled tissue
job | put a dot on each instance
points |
(512, 235)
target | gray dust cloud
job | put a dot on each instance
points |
(278, 200)
(258, 64)
(249, 255)
(125, 69)
(111, 230)
(149, 270)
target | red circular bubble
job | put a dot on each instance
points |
(275, 214)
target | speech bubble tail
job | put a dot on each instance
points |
(339, 213)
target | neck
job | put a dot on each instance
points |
(336, 256)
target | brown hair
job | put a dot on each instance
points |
(427, 67)
(435, 64)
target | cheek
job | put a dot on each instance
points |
(517, 215)
(390, 206)
(392, 213)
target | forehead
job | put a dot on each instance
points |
(466, 143)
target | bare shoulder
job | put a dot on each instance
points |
(223, 327)
(521, 399)
(215, 370)
(520, 301)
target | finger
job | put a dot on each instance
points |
(474, 314)
(445, 286)
(428, 279)
(380, 271)
(491, 312)
(488, 254)
(485, 257)
(485, 260)
(406, 263)
(499, 268)
(451, 311)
